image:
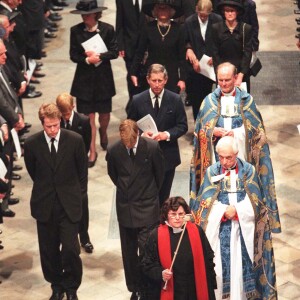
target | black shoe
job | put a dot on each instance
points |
(38, 75)
(56, 8)
(91, 163)
(49, 35)
(31, 88)
(52, 24)
(13, 201)
(60, 3)
(17, 168)
(298, 29)
(88, 247)
(57, 295)
(72, 296)
(1, 247)
(104, 146)
(35, 81)
(33, 94)
(52, 29)
(15, 176)
(8, 213)
(55, 18)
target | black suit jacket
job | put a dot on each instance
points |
(129, 25)
(89, 81)
(81, 125)
(194, 38)
(65, 180)
(9, 106)
(138, 183)
(171, 118)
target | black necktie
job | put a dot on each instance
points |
(137, 7)
(68, 126)
(156, 106)
(53, 150)
(131, 154)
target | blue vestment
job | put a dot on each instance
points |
(262, 271)
(257, 148)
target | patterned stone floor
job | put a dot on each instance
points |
(276, 89)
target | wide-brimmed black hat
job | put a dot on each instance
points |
(235, 3)
(84, 7)
(148, 6)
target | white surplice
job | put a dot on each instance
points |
(246, 224)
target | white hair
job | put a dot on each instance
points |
(227, 141)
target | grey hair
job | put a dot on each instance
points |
(227, 141)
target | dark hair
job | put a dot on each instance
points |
(172, 203)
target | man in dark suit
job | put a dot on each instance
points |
(198, 38)
(81, 124)
(11, 111)
(56, 162)
(135, 165)
(130, 21)
(167, 111)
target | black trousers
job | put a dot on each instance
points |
(133, 242)
(165, 189)
(60, 250)
(197, 88)
(84, 223)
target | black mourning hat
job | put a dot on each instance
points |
(234, 3)
(84, 7)
(148, 6)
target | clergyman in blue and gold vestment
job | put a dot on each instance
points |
(232, 211)
(230, 111)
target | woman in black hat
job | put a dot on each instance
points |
(163, 40)
(93, 83)
(232, 40)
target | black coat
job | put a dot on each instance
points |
(235, 48)
(81, 125)
(89, 81)
(169, 53)
(194, 38)
(171, 118)
(137, 182)
(129, 25)
(66, 180)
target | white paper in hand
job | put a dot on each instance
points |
(95, 44)
(206, 69)
(147, 124)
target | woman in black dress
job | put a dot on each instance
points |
(93, 83)
(232, 40)
(163, 41)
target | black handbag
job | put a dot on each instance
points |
(256, 67)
